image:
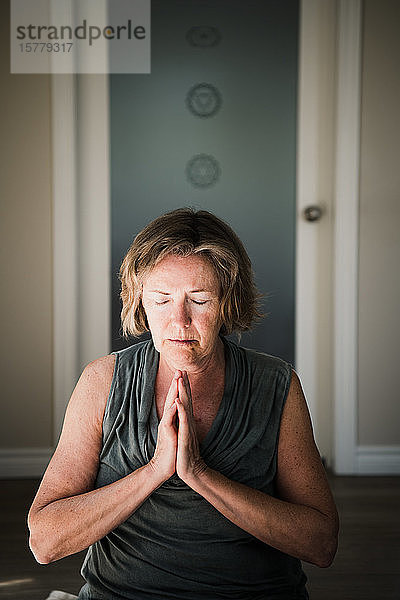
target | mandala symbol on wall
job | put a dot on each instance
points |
(203, 36)
(203, 100)
(203, 170)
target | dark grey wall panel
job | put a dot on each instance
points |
(251, 61)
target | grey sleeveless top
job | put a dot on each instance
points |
(176, 545)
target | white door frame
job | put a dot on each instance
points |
(314, 240)
(81, 226)
(82, 245)
(346, 244)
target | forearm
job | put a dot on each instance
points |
(69, 525)
(301, 531)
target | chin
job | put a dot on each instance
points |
(181, 355)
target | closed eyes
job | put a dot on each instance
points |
(159, 303)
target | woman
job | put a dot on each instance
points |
(186, 462)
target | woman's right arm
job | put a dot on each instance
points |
(67, 514)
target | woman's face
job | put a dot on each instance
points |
(181, 301)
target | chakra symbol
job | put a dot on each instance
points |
(203, 170)
(203, 36)
(203, 100)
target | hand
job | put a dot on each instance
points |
(164, 459)
(189, 463)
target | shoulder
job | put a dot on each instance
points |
(97, 376)
(90, 394)
(296, 418)
(296, 437)
(264, 365)
(100, 370)
(134, 352)
(268, 361)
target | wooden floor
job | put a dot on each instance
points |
(367, 566)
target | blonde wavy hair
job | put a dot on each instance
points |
(185, 232)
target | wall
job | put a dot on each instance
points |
(379, 258)
(25, 263)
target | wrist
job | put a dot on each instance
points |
(197, 474)
(156, 474)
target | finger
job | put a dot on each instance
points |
(185, 377)
(188, 389)
(185, 396)
(173, 390)
(169, 409)
(169, 413)
(182, 392)
(183, 429)
(169, 405)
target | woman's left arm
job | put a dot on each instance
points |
(303, 520)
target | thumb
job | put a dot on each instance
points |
(169, 412)
(183, 421)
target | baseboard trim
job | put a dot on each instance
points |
(378, 460)
(31, 462)
(24, 463)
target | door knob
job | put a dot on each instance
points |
(312, 213)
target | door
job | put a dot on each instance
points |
(214, 126)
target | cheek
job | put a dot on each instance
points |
(152, 319)
(157, 319)
(211, 324)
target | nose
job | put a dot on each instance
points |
(181, 315)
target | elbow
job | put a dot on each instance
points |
(39, 552)
(327, 543)
(326, 552)
(324, 560)
(39, 543)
